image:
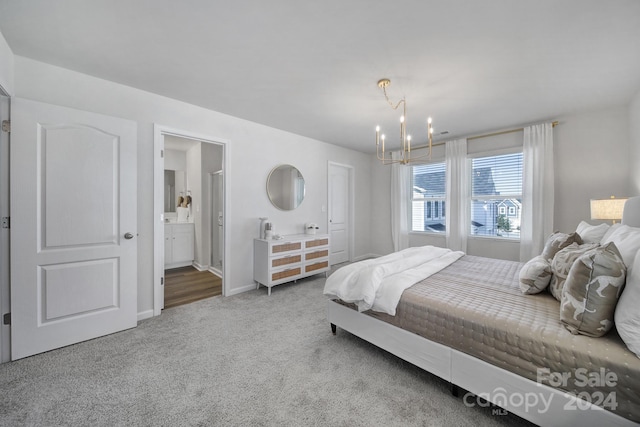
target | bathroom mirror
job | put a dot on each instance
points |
(285, 187)
(174, 184)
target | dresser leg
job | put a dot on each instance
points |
(269, 291)
(333, 329)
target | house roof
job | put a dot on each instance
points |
(311, 67)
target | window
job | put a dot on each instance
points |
(428, 183)
(496, 199)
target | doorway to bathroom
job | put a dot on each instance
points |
(189, 249)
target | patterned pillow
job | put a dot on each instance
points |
(535, 275)
(558, 241)
(562, 263)
(592, 290)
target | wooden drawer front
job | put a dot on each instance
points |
(277, 262)
(317, 266)
(317, 242)
(286, 247)
(316, 254)
(286, 273)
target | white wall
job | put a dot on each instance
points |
(254, 150)
(175, 160)
(634, 137)
(590, 154)
(6, 67)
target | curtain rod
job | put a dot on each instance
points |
(553, 124)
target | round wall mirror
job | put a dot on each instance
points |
(285, 187)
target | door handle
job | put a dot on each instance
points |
(128, 236)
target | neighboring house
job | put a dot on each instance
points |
(511, 209)
(431, 215)
(484, 213)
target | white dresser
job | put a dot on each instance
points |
(289, 259)
(179, 241)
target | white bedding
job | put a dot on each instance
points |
(378, 283)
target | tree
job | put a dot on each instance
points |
(503, 223)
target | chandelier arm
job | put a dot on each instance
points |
(395, 107)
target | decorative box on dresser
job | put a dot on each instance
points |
(290, 258)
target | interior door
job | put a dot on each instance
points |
(339, 213)
(73, 226)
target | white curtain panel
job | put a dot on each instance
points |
(458, 216)
(400, 182)
(537, 190)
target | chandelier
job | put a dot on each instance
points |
(405, 140)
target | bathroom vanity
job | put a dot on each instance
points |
(178, 244)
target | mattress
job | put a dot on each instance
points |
(475, 306)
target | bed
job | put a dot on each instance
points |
(469, 323)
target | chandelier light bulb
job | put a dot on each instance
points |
(377, 128)
(409, 138)
(382, 137)
(429, 120)
(401, 119)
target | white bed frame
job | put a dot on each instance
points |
(475, 375)
(472, 374)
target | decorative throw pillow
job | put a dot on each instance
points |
(562, 263)
(591, 292)
(535, 275)
(627, 240)
(627, 314)
(591, 233)
(558, 241)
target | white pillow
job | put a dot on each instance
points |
(627, 315)
(591, 233)
(610, 231)
(627, 240)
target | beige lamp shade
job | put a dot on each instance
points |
(607, 208)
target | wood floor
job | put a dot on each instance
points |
(186, 284)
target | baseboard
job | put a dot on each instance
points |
(241, 290)
(365, 256)
(199, 267)
(145, 315)
(215, 271)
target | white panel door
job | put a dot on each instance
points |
(73, 226)
(339, 213)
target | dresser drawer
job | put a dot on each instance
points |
(285, 247)
(316, 266)
(286, 260)
(286, 274)
(316, 243)
(321, 253)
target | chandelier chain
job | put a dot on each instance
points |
(395, 107)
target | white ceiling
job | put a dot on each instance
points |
(311, 67)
